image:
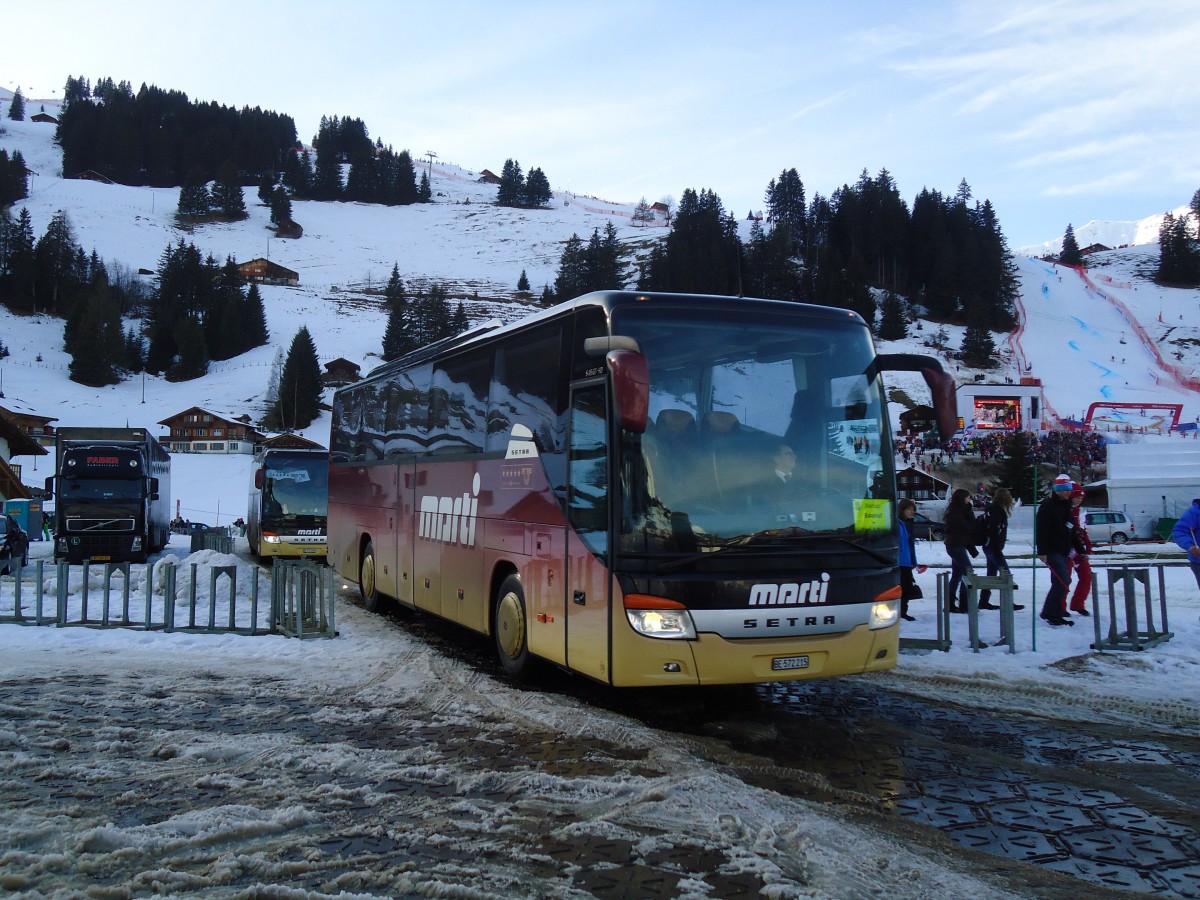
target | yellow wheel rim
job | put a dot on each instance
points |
(510, 625)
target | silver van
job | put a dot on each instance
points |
(1106, 526)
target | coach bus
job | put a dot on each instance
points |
(289, 492)
(599, 487)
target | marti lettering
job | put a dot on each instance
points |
(790, 594)
(451, 520)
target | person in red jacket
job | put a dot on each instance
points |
(1079, 559)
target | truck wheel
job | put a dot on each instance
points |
(510, 630)
(366, 579)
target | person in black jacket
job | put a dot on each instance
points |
(960, 545)
(1055, 536)
(996, 518)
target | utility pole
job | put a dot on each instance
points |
(432, 156)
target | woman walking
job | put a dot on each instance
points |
(996, 519)
(960, 546)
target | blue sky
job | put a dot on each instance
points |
(1055, 111)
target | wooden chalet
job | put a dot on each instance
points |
(266, 272)
(487, 176)
(43, 117)
(914, 484)
(199, 430)
(339, 372)
(14, 442)
(37, 427)
(287, 441)
(918, 420)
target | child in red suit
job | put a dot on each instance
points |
(1079, 559)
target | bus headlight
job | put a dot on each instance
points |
(884, 613)
(658, 617)
(269, 538)
(136, 546)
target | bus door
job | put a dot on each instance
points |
(430, 504)
(588, 582)
(405, 532)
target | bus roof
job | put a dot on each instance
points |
(608, 301)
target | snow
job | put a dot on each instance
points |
(1070, 336)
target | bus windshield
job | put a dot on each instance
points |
(295, 487)
(762, 427)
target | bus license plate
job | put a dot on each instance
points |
(789, 662)
(101, 558)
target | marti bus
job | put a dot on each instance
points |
(286, 513)
(599, 486)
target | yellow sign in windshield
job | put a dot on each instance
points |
(872, 515)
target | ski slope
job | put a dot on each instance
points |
(1078, 336)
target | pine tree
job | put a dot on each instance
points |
(255, 319)
(61, 280)
(978, 347)
(192, 361)
(98, 345)
(537, 189)
(194, 199)
(424, 190)
(786, 207)
(135, 351)
(1070, 255)
(1178, 253)
(512, 184)
(16, 109)
(300, 384)
(266, 185)
(394, 291)
(20, 270)
(523, 282)
(893, 321)
(1016, 465)
(397, 339)
(227, 193)
(572, 275)
(460, 322)
(281, 207)
(642, 213)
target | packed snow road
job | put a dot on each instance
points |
(392, 762)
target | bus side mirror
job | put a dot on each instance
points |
(631, 388)
(940, 383)
(152, 488)
(50, 488)
(259, 478)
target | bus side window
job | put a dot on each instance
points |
(528, 387)
(589, 468)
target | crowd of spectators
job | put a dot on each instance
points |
(1081, 451)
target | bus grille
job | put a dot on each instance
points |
(95, 525)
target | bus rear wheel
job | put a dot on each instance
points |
(510, 629)
(366, 579)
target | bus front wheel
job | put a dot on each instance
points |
(366, 579)
(510, 628)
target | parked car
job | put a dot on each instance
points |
(1106, 526)
(927, 529)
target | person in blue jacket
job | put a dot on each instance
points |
(1184, 534)
(909, 589)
